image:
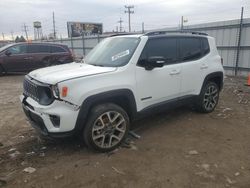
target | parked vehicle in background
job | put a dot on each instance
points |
(122, 79)
(25, 57)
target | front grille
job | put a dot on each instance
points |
(38, 91)
(30, 89)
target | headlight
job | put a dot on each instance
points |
(45, 96)
(55, 91)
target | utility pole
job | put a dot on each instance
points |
(182, 23)
(129, 11)
(142, 27)
(54, 26)
(120, 22)
(3, 35)
(25, 29)
(239, 40)
(12, 36)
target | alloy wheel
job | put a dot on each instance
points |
(108, 129)
(210, 97)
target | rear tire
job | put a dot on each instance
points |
(106, 128)
(208, 98)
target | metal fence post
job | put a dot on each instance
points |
(98, 38)
(83, 45)
(72, 48)
(238, 46)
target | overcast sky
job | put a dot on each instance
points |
(154, 13)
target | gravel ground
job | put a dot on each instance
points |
(178, 148)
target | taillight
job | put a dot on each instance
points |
(221, 60)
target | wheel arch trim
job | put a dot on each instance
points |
(213, 75)
(106, 97)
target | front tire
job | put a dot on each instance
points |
(208, 98)
(106, 128)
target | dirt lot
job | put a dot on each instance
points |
(180, 148)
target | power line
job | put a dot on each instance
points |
(129, 11)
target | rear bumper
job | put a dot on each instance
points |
(40, 118)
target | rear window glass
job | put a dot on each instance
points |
(190, 49)
(57, 49)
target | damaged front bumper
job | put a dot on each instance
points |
(55, 120)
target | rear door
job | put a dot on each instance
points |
(40, 54)
(18, 60)
(60, 54)
(194, 62)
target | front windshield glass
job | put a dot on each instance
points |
(113, 52)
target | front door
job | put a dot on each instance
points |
(160, 84)
(17, 59)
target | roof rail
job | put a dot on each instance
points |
(162, 32)
(120, 34)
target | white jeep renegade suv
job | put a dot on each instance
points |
(121, 79)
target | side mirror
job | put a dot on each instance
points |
(7, 52)
(155, 61)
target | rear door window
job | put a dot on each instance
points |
(37, 48)
(190, 49)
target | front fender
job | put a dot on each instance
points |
(123, 97)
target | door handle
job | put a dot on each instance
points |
(204, 66)
(28, 58)
(174, 72)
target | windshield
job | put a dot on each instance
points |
(113, 52)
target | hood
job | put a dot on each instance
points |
(59, 73)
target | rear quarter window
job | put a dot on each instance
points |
(205, 46)
(57, 49)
